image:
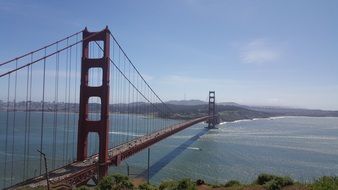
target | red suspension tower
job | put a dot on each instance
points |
(85, 125)
(212, 110)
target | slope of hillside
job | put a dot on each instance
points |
(227, 112)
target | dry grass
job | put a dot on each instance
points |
(138, 181)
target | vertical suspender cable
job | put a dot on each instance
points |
(75, 95)
(124, 103)
(147, 111)
(153, 114)
(133, 105)
(141, 104)
(128, 102)
(65, 109)
(29, 114)
(14, 121)
(7, 124)
(68, 102)
(111, 79)
(26, 126)
(55, 106)
(119, 104)
(137, 104)
(42, 110)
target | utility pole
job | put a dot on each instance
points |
(127, 169)
(47, 177)
(148, 165)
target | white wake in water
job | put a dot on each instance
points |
(193, 148)
(254, 119)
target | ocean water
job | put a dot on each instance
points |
(301, 147)
(19, 158)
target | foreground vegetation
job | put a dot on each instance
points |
(263, 182)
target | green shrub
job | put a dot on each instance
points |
(273, 182)
(31, 188)
(285, 181)
(105, 183)
(273, 185)
(184, 184)
(215, 185)
(147, 186)
(82, 188)
(115, 182)
(232, 183)
(264, 178)
(168, 185)
(326, 183)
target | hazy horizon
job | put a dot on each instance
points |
(184, 100)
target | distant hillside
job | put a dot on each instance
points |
(184, 109)
(230, 111)
(233, 113)
(229, 104)
(199, 102)
(227, 112)
(186, 102)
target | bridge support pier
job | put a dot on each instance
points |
(85, 125)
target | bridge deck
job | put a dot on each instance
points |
(78, 173)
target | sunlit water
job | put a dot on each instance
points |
(301, 147)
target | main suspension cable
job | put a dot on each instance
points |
(131, 82)
(137, 70)
(51, 54)
(32, 52)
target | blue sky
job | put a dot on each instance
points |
(251, 52)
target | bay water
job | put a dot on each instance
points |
(303, 148)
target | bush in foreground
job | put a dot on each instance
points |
(326, 183)
(184, 184)
(115, 182)
(82, 188)
(147, 186)
(232, 183)
(263, 181)
(273, 182)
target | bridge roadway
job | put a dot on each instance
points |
(79, 173)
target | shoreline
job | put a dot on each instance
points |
(274, 118)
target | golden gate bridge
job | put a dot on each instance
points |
(71, 100)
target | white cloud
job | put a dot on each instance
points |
(259, 51)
